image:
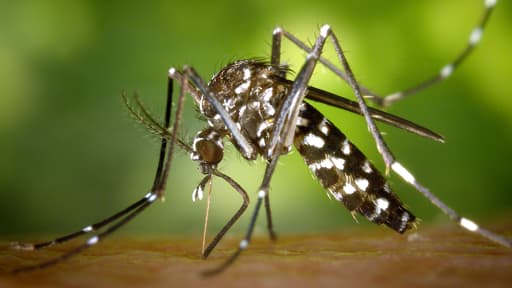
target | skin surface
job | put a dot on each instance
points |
(428, 257)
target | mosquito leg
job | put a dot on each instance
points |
(270, 224)
(88, 229)
(388, 157)
(382, 147)
(444, 73)
(98, 225)
(275, 58)
(292, 102)
(462, 221)
(244, 244)
(91, 241)
(278, 32)
(128, 213)
(401, 170)
(233, 219)
(447, 70)
(164, 167)
(189, 74)
(283, 127)
(248, 150)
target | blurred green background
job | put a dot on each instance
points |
(72, 155)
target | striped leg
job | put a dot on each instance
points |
(447, 70)
(387, 100)
(124, 216)
(391, 162)
(281, 139)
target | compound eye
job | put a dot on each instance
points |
(209, 152)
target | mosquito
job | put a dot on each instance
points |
(263, 114)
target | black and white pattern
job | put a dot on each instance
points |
(346, 173)
(254, 106)
(251, 91)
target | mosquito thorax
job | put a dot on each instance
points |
(251, 93)
(207, 149)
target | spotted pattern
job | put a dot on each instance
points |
(251, 93)
(346, 173)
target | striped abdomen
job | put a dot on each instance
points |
(346, 173)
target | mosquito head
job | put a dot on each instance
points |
(207, 149)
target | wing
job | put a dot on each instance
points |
(328, 98)
(346, 173)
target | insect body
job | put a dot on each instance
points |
(251, 92)
(263, 113)
(346, 173)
